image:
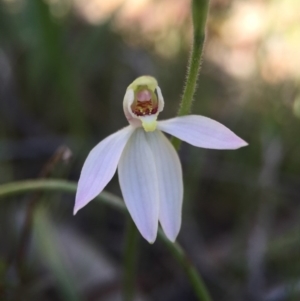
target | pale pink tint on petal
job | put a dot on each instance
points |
(170, 184)
(100, 166)
(202, 132)
(139, 185)
(143, 95)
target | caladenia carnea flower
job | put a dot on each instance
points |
(149, 169)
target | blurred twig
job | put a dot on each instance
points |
(35, 147)
(62, 153)
(21, 187)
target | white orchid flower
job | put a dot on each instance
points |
(149, 169)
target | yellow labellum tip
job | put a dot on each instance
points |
(149, 126)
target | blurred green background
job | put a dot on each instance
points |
(64, 69)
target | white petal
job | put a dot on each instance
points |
(161, 102)
(127, 102)
(202, 132)
(170, 183)
(100, 166)
(137, 177)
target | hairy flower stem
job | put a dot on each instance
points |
(17, 188)
(199, 14)
(130, 258)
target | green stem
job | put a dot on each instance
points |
(17, 188)
(194, 277)
(130, 257)
(199, 13)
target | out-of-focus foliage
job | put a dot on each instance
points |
(64, 68)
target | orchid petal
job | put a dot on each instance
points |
(139, 185)
(161, 102)
(202, 132)
(170, 184)
(100, 166)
